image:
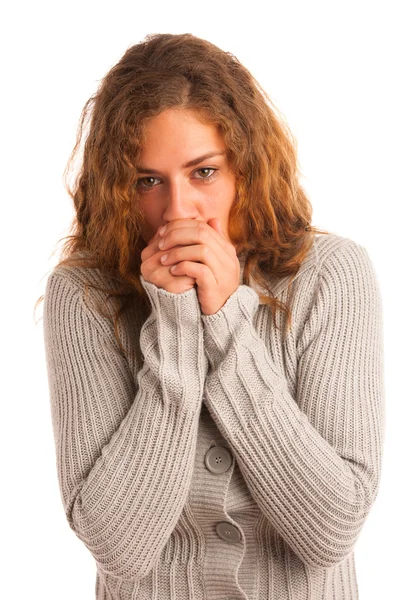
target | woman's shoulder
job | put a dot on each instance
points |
(326, 245)
(346, 268)
(342, 258)
(74, 285)
(76, 277)
(333, 253)
(75, 293)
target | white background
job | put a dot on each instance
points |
(332, 68)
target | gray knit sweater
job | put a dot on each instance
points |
(218, 460)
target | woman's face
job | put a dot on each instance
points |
(170, 188)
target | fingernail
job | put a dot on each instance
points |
(164, 257)
(162, 230)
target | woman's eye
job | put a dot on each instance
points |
(141, 186)
(211, 173)
(206, 169)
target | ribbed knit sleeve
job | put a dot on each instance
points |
(315, 476)
(125, 450)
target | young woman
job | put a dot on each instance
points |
(218, 425)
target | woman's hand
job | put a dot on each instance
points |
(203, 255)
(153, 271)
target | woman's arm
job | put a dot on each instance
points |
(124, 450)
(314, 474)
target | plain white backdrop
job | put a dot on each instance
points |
(332, 69)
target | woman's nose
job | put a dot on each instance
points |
(179, 203)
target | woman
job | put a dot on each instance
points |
(218, 427)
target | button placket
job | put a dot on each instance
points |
(212, 473)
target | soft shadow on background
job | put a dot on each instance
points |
(331, 69)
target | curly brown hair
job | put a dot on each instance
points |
(270, 218)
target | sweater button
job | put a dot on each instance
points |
(218, 459)
(228, 532)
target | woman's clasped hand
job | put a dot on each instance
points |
(202, 255)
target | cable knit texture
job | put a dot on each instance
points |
(220, 460)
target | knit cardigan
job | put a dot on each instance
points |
(219, 459)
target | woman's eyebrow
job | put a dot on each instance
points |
(191, 163)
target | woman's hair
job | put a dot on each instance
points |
(271, 215)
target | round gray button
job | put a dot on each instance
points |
(228, 532)
(218, 459)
